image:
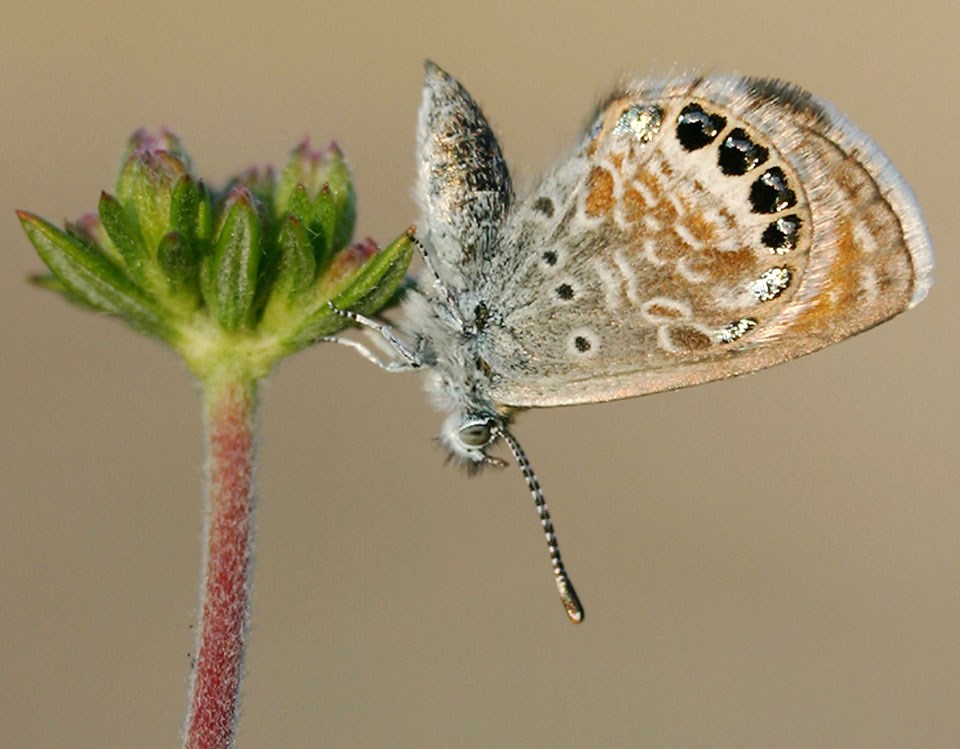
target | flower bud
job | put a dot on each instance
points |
(151, 170)
(316, 186)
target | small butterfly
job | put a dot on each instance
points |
(704, 227)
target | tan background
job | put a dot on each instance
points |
(767, 562)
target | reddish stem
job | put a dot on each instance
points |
(215, 683)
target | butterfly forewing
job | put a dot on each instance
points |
(463, 183)
(704, 228)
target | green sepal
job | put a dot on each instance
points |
(229, 279)
(366, 292)
(124, 235)
(180, 250)
(184, 207)
(90, 278)
(324, 221)
(298, 204)
(297, 264)
(344, 198)
(178, 259)
(291, 180)
(204, 226)
(379, 278)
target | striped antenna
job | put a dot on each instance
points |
(567, 594)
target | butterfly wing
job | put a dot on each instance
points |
(704, 228)
(463, 184)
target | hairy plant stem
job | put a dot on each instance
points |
(230, 412)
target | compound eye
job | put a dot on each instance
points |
(476, 434)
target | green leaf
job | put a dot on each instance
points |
(90, 278)
(124, 235)
(232, 279)
(366, 292)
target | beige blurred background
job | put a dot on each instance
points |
(766, 562)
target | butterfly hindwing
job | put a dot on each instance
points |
(704, 228)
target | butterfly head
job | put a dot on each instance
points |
(468, 437)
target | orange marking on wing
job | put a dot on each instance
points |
(837, 296)
(729, 219)
(600, 197)
(740, 263)
(700, 228)
(634, 206)
(689, 338)
(660, 310)
(841, 283)
(666, 169)
(650, 181)
(665, 213)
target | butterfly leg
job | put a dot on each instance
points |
(409, 359)
(388, 366)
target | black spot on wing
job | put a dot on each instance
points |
(781, 235)
(697, 128)
(739, 154)
(770, 193)
(544, 205)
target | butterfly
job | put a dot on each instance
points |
(702, 228)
